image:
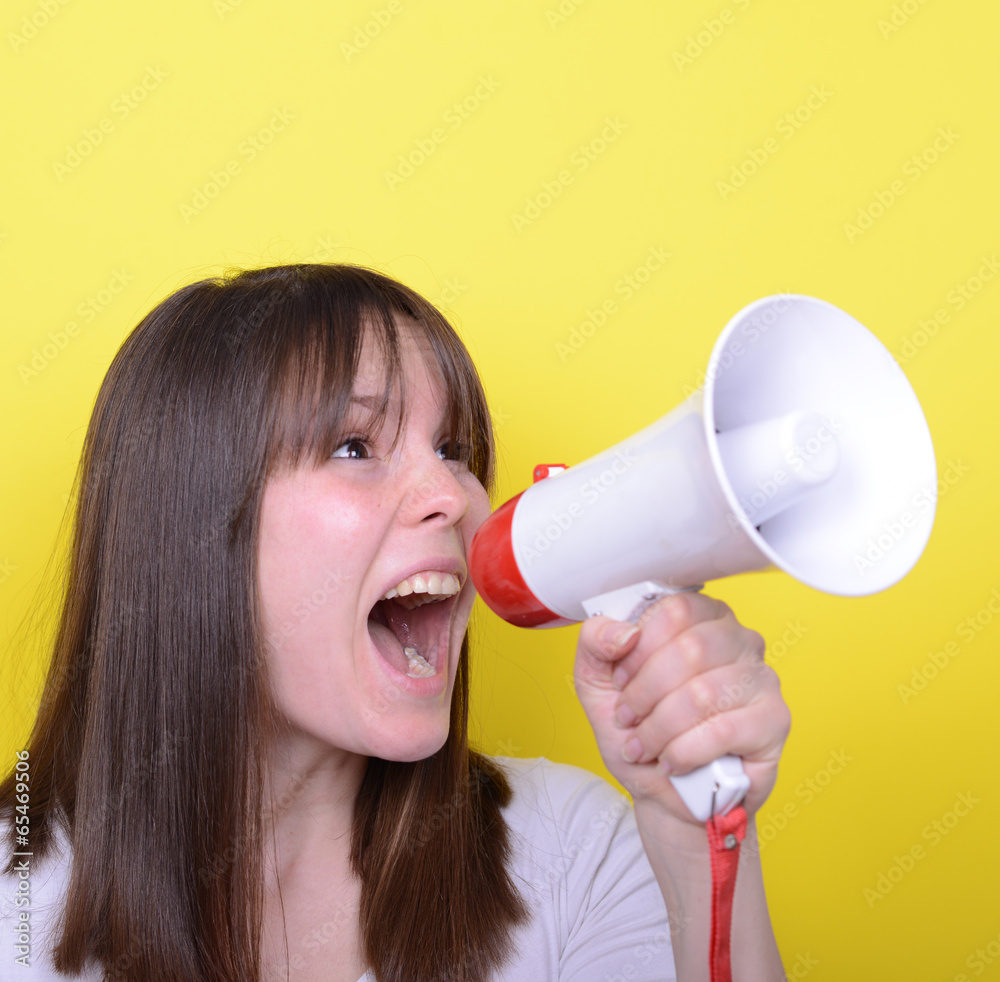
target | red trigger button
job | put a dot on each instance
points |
(543, 471)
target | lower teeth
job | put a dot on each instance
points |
(419, 667)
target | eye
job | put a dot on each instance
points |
(353, 449)
(453, 450)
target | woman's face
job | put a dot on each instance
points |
(338, 538)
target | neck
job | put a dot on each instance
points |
(309, 804)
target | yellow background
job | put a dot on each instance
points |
(320, 187)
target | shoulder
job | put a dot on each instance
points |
(562, 798)
(577, 853)
(569, 824)
(30, 904)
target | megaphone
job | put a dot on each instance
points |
(805, 450)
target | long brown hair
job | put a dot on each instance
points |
(149, 745)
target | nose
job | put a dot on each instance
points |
(434, 493)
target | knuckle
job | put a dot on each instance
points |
(675, 610)
(723, 609)
(769, 678)
(692, 650)
(635, 699)
(680, 609)
(702, 695)
(784, 716)
(679, 756)
(724, 728)
(756, 644)
(590, 632)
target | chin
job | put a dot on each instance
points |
(410, 743)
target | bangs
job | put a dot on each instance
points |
(309, 324)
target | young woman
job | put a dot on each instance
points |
(251, 756)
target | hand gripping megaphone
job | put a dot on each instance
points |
(806, 450)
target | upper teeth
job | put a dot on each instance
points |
(430, 582)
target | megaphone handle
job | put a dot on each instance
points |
(710, 790)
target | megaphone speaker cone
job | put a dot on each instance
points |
(841, 494)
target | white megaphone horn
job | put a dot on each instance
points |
(805, 450)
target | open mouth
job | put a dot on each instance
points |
(411, 630)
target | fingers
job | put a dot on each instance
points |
(692, 686)
(664, 622)
(736, 708)
(601, 643)
(705, 646)
(755, 733)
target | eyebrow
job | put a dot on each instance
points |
(372, 402)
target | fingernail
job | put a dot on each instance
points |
(624, 717)
(632, 750)
(663, 766)
(619, 678)
(620, 636)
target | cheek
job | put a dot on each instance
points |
(309, 551)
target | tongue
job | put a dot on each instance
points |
(388, 645)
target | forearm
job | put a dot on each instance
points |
(678, 853)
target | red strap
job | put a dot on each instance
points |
(725, 834)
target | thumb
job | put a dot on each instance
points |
(603, 642)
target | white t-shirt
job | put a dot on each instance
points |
(597, 911)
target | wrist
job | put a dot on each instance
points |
(682, 843)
